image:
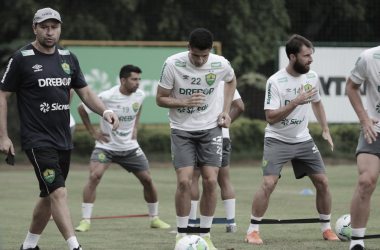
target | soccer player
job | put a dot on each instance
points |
(289, 93)
(367, 69)
(188, 87)
(227, 191)
(42, 74)
(119, 146)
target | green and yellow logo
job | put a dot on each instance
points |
(307, 87)
(265, 162)
(66, 67)
(135, 106)
(210, 79)
(101, 157)
(49, 175)
(172, 157)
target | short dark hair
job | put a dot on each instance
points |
(201, 39)
(126, 70)
(294, 45)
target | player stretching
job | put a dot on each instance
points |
(119, 146)
(289, 93)
(42, 74)
(188, 87)
(227, 191)
(367, 69)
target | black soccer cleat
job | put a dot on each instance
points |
(36, 248)
(78, 248)
(358, 247)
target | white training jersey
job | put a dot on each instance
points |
(367, 68)
(281, 89)
(184, 79)
(226, 133)
(126, 109)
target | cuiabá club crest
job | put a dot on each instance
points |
(210, 79)
(66, 67)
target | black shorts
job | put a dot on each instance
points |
(51, 167)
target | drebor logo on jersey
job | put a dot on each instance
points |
(55, 82)
(45, 107)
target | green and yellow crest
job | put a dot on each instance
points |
(210, 79)
(172, 157)
(265, 162)
(49, 175)
(101, 157)
(66, 67)
(307, 87)
(135, 106)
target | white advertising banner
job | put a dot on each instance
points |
(333, 66)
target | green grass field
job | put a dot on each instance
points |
(120, 193)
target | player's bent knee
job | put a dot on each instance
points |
(184, 185)
(366, 186)
(94, 178)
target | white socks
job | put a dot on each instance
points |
(153, 210)
(31, 240)
(358, 232)
(254, 227)
(86, 211)
(325, 225)
(182, 223)
(206, 222)
(193, 212)
(229, 206)
(73, 243)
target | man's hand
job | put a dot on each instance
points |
(196, 100)
(100, 136)
(6, 145)
(369, 131)
(112, 119)
(224, 120)
(326, 135)
(304, 97)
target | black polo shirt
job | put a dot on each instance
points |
(42, 83)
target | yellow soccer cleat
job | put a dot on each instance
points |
(178, 239)
(84, 226)
(157, 223)
(209, 243)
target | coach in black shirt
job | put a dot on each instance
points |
(42, 74)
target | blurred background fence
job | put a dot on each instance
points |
(251, 33)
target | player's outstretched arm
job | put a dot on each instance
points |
(276, 115)
(319, 112)
(353, 92)
(94, 103)
(164, 100)
(5, 143)
(96, 134)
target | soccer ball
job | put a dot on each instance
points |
(343, 228)
(191, 242)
